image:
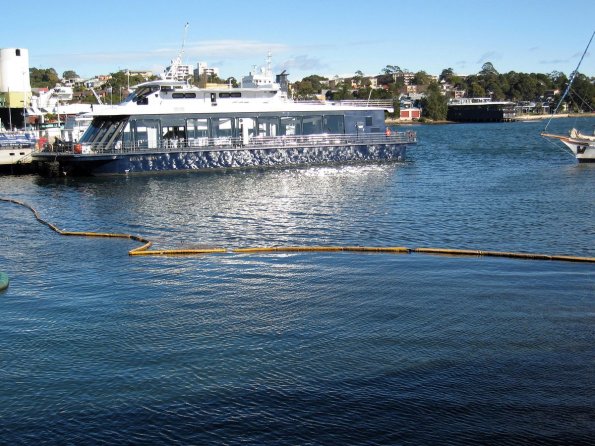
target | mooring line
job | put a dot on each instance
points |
(145, 251)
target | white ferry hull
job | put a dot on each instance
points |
(15, 155)
(16, 149)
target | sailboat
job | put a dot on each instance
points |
(580, 144)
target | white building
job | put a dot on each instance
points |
(178, 71)
(15, 84)
(203, 69)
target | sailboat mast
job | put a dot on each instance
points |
(573, 75)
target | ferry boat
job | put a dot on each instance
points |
(15, 150)
(168, 125)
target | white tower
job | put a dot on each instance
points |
(15, 85)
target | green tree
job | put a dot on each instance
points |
(476, 90)
(358, 79)
(487, 69)
(316, 82)
(343, 91)
(233, 81)
(421, 78)
(558, 79)
(70, 74)
(43, 77)
(447, 75)
(394, 71)
(309, 86)
(582, 94)
(434, 104)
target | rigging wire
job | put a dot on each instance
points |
(582, 100)
(572, 76)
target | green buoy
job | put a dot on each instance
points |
(3, 281)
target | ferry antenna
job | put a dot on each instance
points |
(184, 39)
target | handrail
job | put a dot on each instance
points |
(385, 103)
(239, 143)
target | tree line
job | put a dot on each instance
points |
(488, 82)
(512, 86)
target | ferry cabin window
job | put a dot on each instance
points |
(173, 135)
(311, 125)
(140, 96)
(183, 95)
(334, 124)
(127, 137)
(245, 127)
(268, 126)
(221, 127)
(142, 134)
(290, 126)
(230, 95)
(368, 121)
(103, 130)
(197, 128)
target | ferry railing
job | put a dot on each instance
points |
(239, 143)
(382, 103)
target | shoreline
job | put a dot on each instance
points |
(518, 118)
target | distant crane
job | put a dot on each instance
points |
(99, 101)
(172, 72)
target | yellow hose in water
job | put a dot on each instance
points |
(144, 249)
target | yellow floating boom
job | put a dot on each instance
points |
(144, 249)
(516, 255)
(398, 249)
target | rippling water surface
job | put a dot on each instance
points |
(308, 348)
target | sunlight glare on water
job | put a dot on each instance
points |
(307, 348)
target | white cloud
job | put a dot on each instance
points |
(301, 63)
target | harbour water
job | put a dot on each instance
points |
(98, 347)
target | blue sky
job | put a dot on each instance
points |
(326, 37)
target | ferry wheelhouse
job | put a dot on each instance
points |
(169, 125)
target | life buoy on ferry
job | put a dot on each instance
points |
(78, 148)
(387, 132)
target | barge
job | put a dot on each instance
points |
(480, 110)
